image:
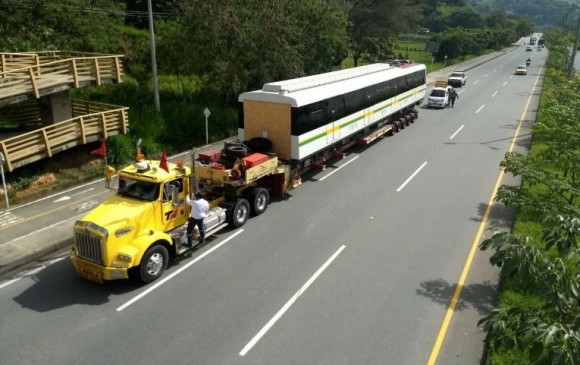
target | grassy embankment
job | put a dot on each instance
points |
(513, 293)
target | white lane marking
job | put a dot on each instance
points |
(62, 199)
(486, 75)
(54, 195)
(288, 304)
(82, 192)
(476, 82)
(31, 272)
(460, 91)
(494, 70)
(2, 286)
(40, 230)
(504, 84)
(511, 76)
(412, 176)
(457, 131)
(338, 168)
(177, 272)
(478, 110)
(7, 218)
(494, 94)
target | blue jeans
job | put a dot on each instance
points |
(192, 222)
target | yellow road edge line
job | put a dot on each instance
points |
(453, 304)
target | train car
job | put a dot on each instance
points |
(309, 118)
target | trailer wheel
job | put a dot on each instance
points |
(239, 214)
(153, 264)
(259, 199)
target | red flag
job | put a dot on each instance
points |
(102, 151)
(163, 162)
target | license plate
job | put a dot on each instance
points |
(90, 272)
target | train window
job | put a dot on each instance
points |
(307, 118)
(335, 108)
(355, 101)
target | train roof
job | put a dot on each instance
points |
(310, 89)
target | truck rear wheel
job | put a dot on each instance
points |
(239, 213)
(153, 264)
(259, 199)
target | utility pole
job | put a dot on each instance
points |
(573, 56)
(153, 58)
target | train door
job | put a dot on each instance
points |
(368, 114)
(334, 110)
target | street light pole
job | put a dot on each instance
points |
(153, 58)
(206, 113)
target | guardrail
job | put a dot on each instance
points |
(34, 74)
(91, 122)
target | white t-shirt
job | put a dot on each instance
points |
(199, 207)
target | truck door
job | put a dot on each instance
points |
(173, 216)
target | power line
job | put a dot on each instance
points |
(23, 4)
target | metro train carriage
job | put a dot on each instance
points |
(309, 118)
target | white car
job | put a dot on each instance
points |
(457, 78)
(439, 97)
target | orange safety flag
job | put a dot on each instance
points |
(163, 162)
(102, 151)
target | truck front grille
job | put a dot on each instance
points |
(89, 247)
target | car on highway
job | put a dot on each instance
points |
(521, 70)
(528, 49)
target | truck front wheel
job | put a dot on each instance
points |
(239, 213)
(153, 264)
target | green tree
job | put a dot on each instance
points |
(554, 171)
(237, 45)
(374, 23)
(551, 334)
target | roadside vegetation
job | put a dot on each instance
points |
(538, 316)
(208, 53)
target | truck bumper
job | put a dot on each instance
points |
(95, 272)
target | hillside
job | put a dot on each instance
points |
(544, 13)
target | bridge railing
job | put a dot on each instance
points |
(25, 73)
(91, 122)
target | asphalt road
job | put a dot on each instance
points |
(356, 266)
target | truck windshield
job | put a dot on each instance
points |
(455, 74)
(138, 189)
(438, 93)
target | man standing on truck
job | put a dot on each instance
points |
(452, 96)
(199, 209)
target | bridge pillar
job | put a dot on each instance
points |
(55, 107)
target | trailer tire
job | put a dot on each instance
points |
(259, 199)
(238, 215)
(153, 264)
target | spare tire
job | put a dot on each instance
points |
(237, 151)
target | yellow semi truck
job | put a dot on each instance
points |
(284, 129)
(138, 230)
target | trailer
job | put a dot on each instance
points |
(285, 129)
